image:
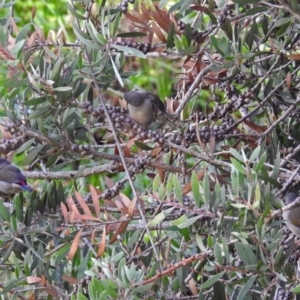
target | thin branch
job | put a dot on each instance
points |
(190, 91)
(279, 120)
(110, 167)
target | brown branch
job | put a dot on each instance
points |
(184, 262)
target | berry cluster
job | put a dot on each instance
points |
(225, 13)
(198, 36)
(123, 6)
(139, 166)
(144, 47)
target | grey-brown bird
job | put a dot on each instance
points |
(12, 181)
(292, 216)
(143, 106)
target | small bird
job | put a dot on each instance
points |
(292, 216)
(12, 181)
(143, 106)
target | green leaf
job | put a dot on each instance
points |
(74, 12)
(18, 207)
(175, 6)
(116, 24)
(156, 183)
(160, 217)
(177, 189)
(17, 48)
(200, 243)
(238, 166)
(246, 254)
(23, 33)
(255, 10)
(195, 188)
(80, 296)
(236, 154)
(187, 51)
(188, 222)
(32, 155)
(245, 289)
(182, 219)
(228, 30)
(255, 153)
(143, 288)
(212, 280)
(87, 41)
(282, 21)
(218, 253)
(261, 163)
(142, 146)
(251, 35)
(225, 250)
(56, 69)
(35, 101)
(25, 146)
(50, 53)
(206, 187)
(296, 289)
(170, 38)
(39, 112)
(221, 45)
(4, 214)
(96, 37)
(117, 72)
(169, 186)
(129, 50)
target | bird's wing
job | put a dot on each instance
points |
(12, 174)
(4, 163)
(157, 102)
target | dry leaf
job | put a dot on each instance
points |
(159, 33)
(95, 201)
(294, 56)
(102, 244)
(33, 279)
(74, 245)
(125, 200)
(64, 211)
(86, 218)
(162, 18)
(121, 228)
(70, 279)
(193, 287)
(156, 151)
(212, 144)
(83, 204)
(288, 80)
(110, 184)
(132, 207)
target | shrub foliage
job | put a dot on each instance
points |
(189, 208)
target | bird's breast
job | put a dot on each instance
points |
(143, 114)
(288, 217)
(9, 188)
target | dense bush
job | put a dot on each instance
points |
(189, 208)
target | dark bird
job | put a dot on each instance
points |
(143, 106)
(292, 216)
(12, 181)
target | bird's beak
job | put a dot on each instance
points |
(26, 188)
